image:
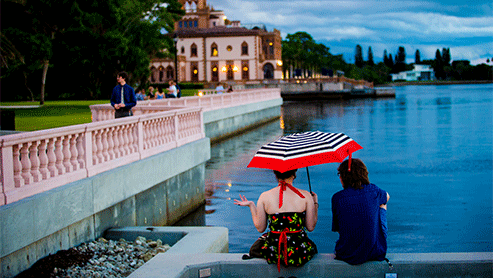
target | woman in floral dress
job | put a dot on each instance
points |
(290, 213)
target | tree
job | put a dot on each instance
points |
(438, 65)
(358, 56)
(32, 26)
(417, 57)
(446, 56)
(391, 61)
(370, 57)
(88, 40)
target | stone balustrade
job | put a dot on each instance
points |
(208, 101)
(34, 162)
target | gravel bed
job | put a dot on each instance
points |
(100, 258)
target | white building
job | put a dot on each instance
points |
(212, 49)
(419, 73)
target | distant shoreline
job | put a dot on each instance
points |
(435, 83)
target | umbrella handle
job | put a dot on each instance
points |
(309, 184)
(349, 161)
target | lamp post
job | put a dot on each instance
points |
(175, 39)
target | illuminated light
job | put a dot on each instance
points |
(270, 44)
(304, 81)
(200, 93)
(245, 68)
(297, 81)
(227, 190)
(279, 63)
(282, 123)
(235, 68)
(229, 184)
(214, 52)
(195, 71)
(214, 69)
(223, 69)
(229, 48)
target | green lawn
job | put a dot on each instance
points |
(52, 114)
(57, 113)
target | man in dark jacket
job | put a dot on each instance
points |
(359, 214)
(123, 97)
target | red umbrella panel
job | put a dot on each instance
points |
(304, 149)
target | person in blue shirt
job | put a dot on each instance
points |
(123, 97)
(359, 215)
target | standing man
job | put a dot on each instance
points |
(359, 214)
(123, 97)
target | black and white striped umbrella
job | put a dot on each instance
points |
(304, 149)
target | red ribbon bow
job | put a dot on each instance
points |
(283, 186)
(283, 239)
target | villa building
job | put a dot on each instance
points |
(419, 73)
(212, 49)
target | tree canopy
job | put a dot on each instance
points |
(83, 43)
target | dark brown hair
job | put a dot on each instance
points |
(285, 175)
(123, 75)
(357, 177)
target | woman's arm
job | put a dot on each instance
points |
(258, 213)
(311, 212)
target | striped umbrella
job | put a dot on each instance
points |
(304, 149)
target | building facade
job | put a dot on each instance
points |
(419, 73)
(212, 49)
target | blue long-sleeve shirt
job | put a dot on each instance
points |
(128, 96)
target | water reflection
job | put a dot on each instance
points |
(430, 148)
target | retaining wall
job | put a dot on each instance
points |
(158, 190)
(226, 122)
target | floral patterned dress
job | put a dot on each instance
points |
(287, 242)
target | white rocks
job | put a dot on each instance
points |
(114, 258)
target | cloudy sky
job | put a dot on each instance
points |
(466, 27)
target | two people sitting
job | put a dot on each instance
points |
(359, 215)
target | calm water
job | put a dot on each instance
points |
(430, 148)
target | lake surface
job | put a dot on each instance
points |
(430, 148)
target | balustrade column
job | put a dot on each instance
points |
(26, 163)
(105, 144)
(51, 157)
(74, 154)
(111, 144)
(18, 180)
(43, 160)
(59, 155)
(34, 158)
(66, 153)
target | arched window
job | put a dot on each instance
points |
(154, 74)
(268, 71)
(193, 6)
(161, 74)
(214, 51)
(193, 50)
(244, 48)
(169, 73)
(182, 50)
(187, 8)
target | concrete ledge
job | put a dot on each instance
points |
(323, 265)
(184, 240)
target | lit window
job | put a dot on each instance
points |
(229, 48)
(214, 51)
